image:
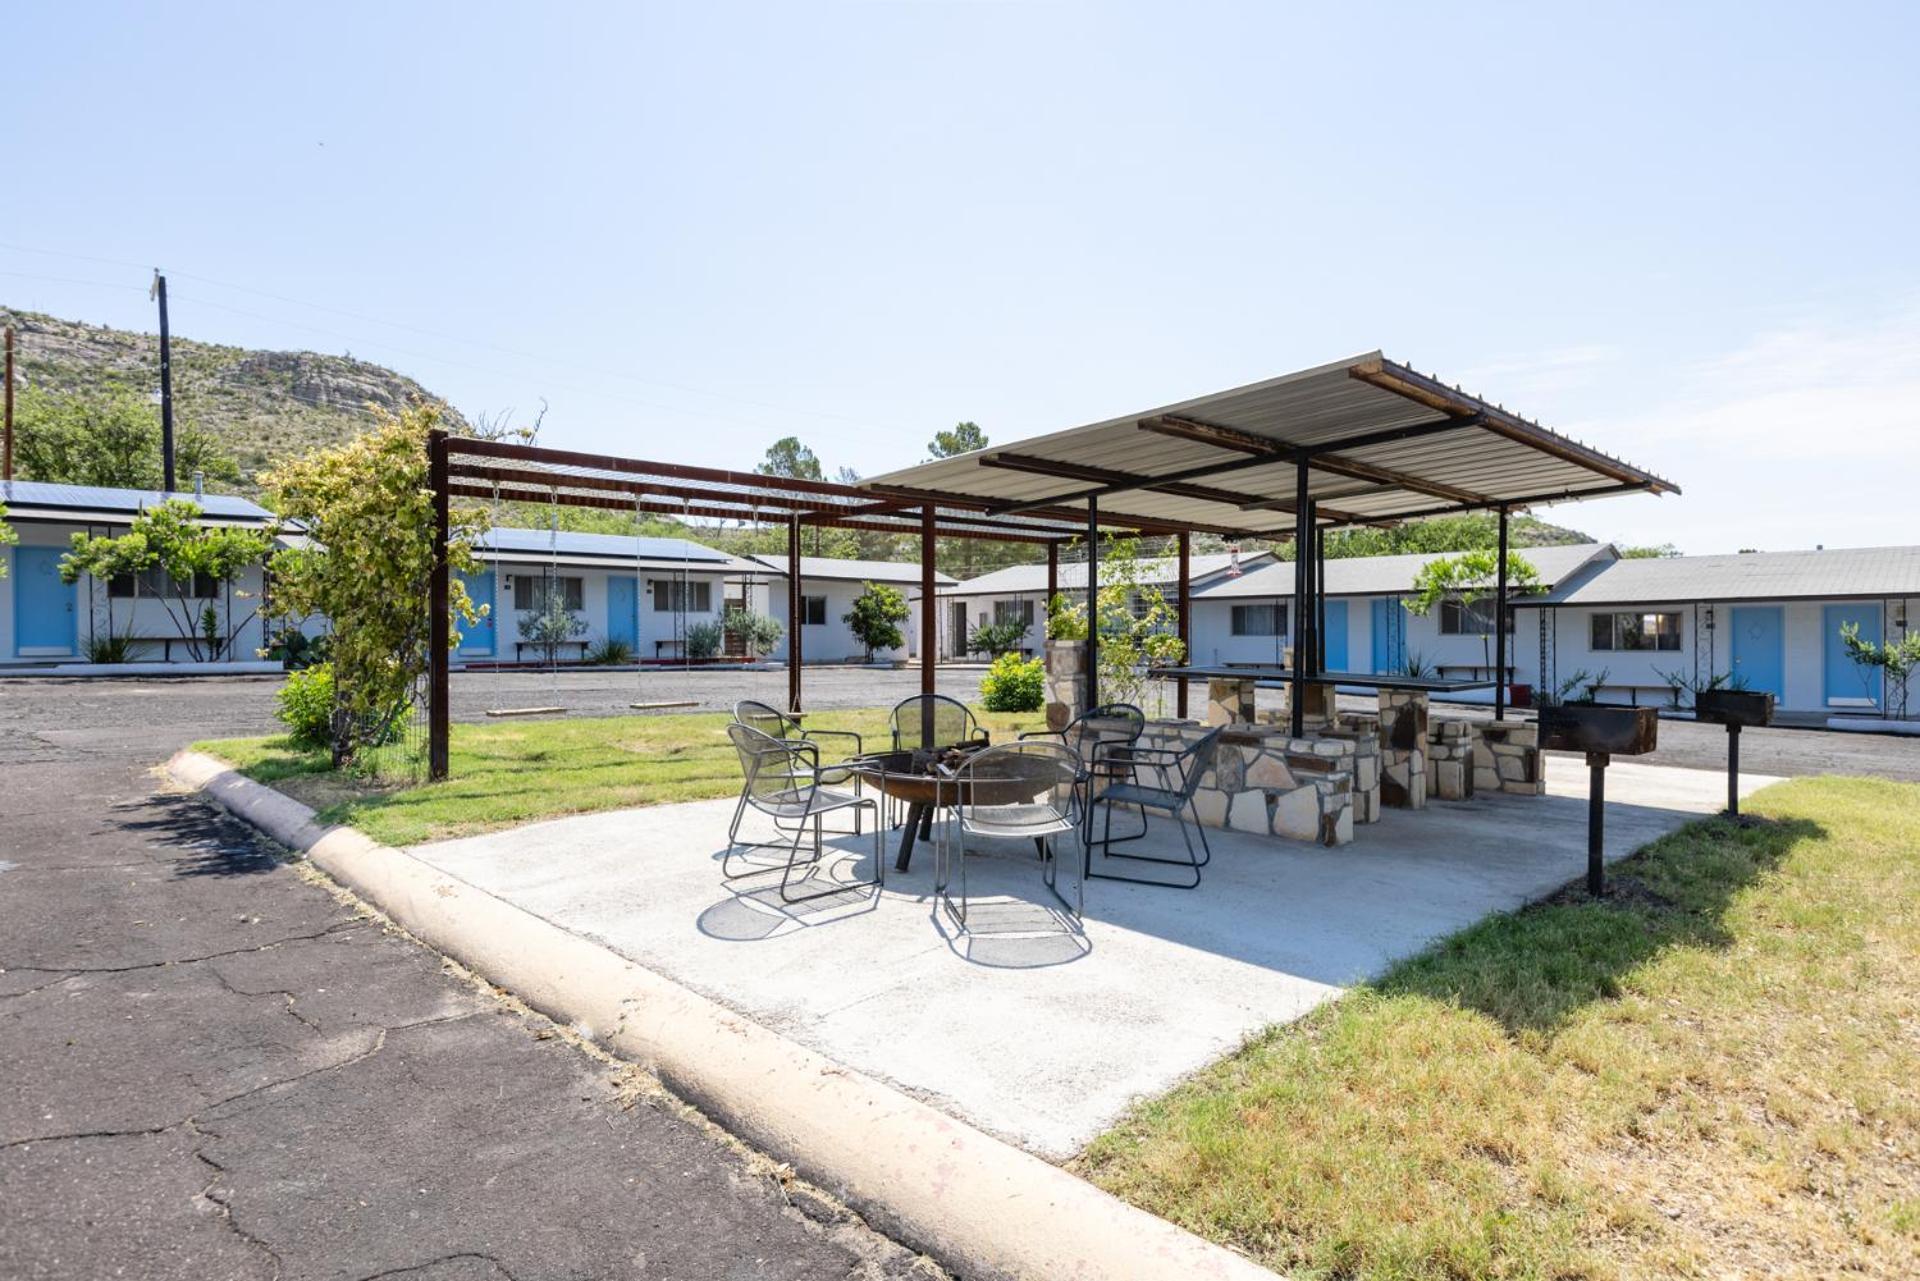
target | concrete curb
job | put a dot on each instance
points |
(980, 1206)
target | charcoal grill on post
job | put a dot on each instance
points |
(1733, 708)
(1602, 732)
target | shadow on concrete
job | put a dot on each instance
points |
(201, 840)
(1535, 968)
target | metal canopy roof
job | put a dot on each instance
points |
(1382, 442)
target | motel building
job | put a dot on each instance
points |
(48, 624)
(1019, 593)
(1634, 627)
(828, 588)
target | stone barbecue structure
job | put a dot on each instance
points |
(1403, 749)
(1450, 760)
(1263, 780)
(1506, 758)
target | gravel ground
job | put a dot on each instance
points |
(211, 1066)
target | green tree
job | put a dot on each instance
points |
(1652, 551)
(6, 536)
(1898, 659)
(1467, 578)
(188, 555)
(1138, 626)
(963, 439)
(366, 565)
(876, 617)
(788, 457)
(110, 438)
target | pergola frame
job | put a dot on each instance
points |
(1343, 410)
(470, 468)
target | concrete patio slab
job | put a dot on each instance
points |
(1033, 1028)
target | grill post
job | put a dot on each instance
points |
(1596, 822)
(439, 606)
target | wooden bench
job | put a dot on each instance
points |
(520, 649)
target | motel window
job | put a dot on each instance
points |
(1013, 611)
(1458, 618)
(1635, 631)
(1259, 620)
(671, 596)
(531, 592)
(813, 611)
(155, 583)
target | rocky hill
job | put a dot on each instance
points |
(260, 405)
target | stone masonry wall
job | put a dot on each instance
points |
(1066, 682)
(1506, 758)
(1403, 749)
(1264, 781)
(1450, 751)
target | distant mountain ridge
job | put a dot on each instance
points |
(261, 406)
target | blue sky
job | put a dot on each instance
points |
(1685, 233)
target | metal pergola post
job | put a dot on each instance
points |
(1319, 595)
(928, 622)
(440, 609)
(1302, 567)
(1183, 607)
(1500, 625)
(796, 602)
(1093, 605)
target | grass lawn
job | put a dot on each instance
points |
(1714, 1072)
(509, 772)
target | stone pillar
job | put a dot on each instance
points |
(1317, 706)
(1450, 753)
(1066, 682)
(1403, 749)
(1229, 701)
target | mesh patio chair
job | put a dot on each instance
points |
(1017, 791)
(777, 724)
(927, 721)
(782, 779)
(1183, 768)
(1103, 738)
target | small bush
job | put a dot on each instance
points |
(703, 640)
(306, 706)
(109, 649)
(997, 638)
(1014, 684)
(610, 652)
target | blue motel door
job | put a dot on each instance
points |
(477, 638)
(1759, 650)
(623, 611)
(1847, 682)
(1336, 638)
(1389, 636)
(44, 616)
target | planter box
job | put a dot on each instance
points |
(1599, 727)
(1733, 707)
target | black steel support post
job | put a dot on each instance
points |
(929, 683)
(1184, 606)
(1500, 625)
(1596, 822)
(1319, 593)
(1093, 604)
(166, 387)
(795, 605)
(1302, 565)
(440, 607)
(1733, 769)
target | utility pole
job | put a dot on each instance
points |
(6, 449)
(159, 290)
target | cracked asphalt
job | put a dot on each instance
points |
(211, 1066)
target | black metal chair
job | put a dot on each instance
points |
(1103, 738)
(777, 724)
(926, 722)
(1188, 766)
(1017, 791)
(782, 779)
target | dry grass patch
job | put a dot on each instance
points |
(1715, 1072)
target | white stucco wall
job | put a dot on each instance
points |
(141, 617)
(833, 641)
(654, 626)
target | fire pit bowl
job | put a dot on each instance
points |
(1599, 727)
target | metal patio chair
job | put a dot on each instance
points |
(1018, 791)
(782, 778)
(1188, 765)
(928, 721)
(777, 724)
(1104, 738)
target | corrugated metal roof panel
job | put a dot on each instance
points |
(833, 567)
(1827, 574)
(1016, 579)
(1390, 575)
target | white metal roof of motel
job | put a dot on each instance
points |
(1386, 443)
(1391, 575)
(1014, 580)
(853, 571)
(1837, 573)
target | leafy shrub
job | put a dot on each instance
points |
(611, 652)
(306, 706)
(876, 617)
(760, 632)
(997, 638)
(703, 639)
(1014, 684)
(295, 650)
(109, 649)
